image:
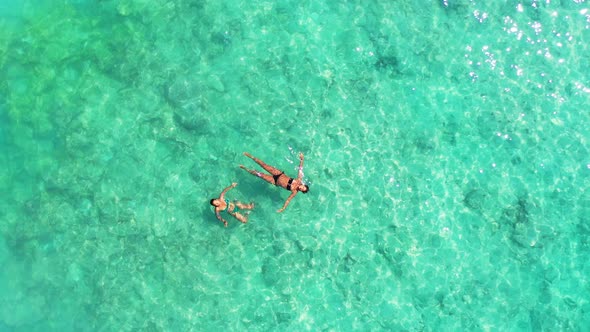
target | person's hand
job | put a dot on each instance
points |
(280, 210)
(234, 184)
(301, 155)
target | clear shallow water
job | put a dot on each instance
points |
(446, 145)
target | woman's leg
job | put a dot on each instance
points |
(266, 177)
(243, 206)
(268, 168)
(240, 217)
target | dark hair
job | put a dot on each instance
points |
(306, 189)
(212, 200)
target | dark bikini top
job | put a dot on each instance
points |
(277, 176)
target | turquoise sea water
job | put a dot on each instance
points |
(447, 148)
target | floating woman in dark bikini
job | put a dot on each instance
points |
(222, 204)
(278, 178)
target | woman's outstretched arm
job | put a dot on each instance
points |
(222, 195)
(300, 173)
(287, 201)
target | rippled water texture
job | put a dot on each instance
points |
(446, 146)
